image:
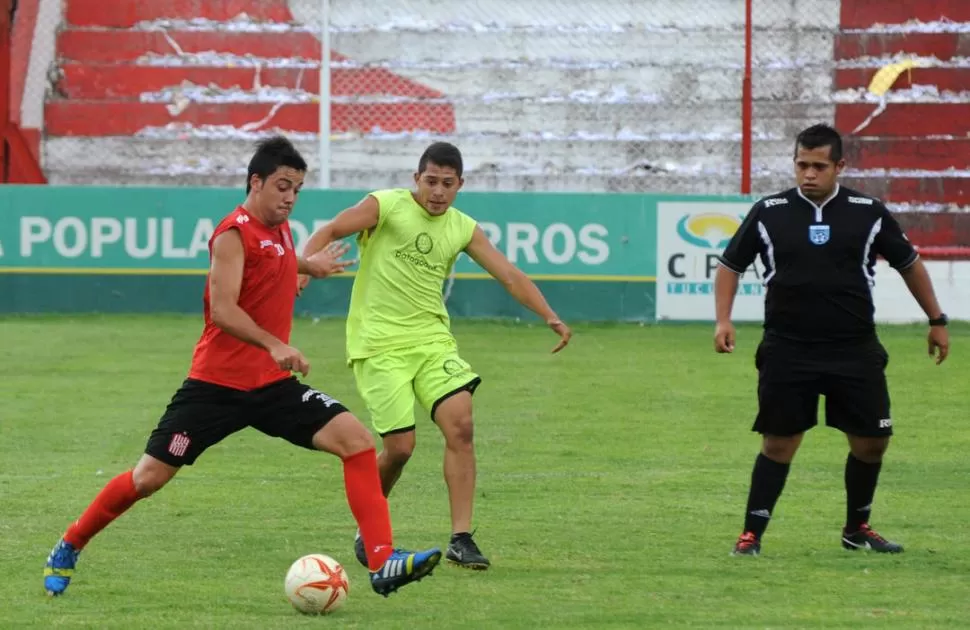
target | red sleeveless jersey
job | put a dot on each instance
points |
(267, 295)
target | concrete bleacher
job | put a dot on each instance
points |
(540, 95)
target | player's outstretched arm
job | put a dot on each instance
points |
(326, 262)
(358, 218)
(362, 216)
(225, 283)
(516, 283)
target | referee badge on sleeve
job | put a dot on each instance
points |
(819, 234)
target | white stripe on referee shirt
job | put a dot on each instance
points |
(770, 249)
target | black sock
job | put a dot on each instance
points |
(767, 482)
(860, 487)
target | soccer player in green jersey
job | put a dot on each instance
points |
(399, 340)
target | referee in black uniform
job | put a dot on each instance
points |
(818, 243)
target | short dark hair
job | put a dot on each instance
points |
(442, 154)
(270, 155)
(821, 136)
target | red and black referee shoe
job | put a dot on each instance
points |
(866, 538)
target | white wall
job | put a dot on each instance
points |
(42, 53)
(894, 304)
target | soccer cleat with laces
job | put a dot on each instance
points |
(463, 552)
(59, 568)
(747, 545)
(404, 567)
(867, 538)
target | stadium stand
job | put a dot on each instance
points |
(545, 95)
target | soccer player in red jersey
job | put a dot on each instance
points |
(241, 376)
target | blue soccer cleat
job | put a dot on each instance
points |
(59, 568)
(403, 567)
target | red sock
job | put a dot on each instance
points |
(367, 502)
(116, 497)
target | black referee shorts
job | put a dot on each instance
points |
(202, 414)
(792, 376)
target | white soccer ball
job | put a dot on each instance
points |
(316, 584)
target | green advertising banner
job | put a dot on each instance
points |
(164, 231)
(103, 249)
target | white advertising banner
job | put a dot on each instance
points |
(690, 237)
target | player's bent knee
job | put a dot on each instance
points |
(343, 436)
(150, 475)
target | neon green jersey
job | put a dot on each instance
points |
(397, 300)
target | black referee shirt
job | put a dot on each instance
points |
(819, 261)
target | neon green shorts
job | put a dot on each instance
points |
(390, 382)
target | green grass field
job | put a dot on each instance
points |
(612, 481)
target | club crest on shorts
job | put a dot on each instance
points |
(179, 444)
(452, 367)
(819, 234)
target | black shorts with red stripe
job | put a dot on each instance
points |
(201, 415)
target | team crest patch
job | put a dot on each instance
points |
(179, 444)
(819, 234)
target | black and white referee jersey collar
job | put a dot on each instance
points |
(818, 206)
